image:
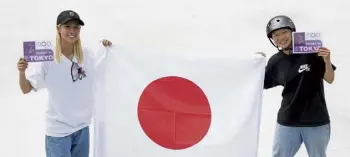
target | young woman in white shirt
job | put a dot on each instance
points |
(69, 81)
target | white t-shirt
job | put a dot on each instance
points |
(70, 104)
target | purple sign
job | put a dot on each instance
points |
(305, 42)
(38, 51)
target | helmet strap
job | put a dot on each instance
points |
(278, 48)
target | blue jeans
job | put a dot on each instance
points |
(74, 145)
(289, 139)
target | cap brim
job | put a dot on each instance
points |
(79, 21)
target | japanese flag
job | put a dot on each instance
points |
(177, 105)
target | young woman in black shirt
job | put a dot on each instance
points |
(303, 116)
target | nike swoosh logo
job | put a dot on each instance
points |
(301, 70)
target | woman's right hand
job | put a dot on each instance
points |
(261, 53)
(22, 65)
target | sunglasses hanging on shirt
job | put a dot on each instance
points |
(77, 72)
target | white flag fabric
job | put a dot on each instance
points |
(164, 105)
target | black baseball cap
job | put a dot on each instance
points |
(67, 15)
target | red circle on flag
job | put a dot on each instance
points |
(174, 112)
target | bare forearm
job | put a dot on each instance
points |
(329, 73)
(24, 83)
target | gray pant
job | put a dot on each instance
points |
(288, 140)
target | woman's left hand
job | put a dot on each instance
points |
(325, 53)
(106, 42)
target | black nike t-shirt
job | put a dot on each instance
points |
(301, 75)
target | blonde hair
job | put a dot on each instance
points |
(77, 52)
